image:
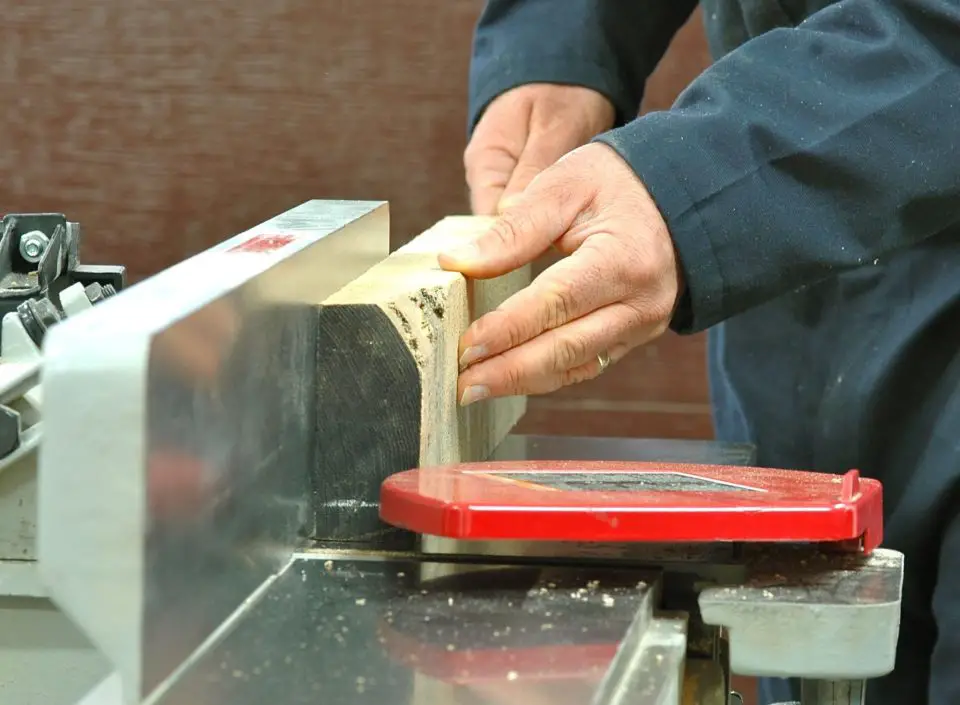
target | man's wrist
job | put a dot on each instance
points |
(699, 302)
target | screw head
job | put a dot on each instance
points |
(33, 245)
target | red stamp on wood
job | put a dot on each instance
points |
(263, 243)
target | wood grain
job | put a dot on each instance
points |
(388, 360)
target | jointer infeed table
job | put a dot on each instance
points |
(252, 526)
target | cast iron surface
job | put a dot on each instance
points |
(403, 632)
(394, 629)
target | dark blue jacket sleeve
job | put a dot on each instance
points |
(807, 151)
(944, 684)
(611, 46)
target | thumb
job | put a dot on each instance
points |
(532, 222)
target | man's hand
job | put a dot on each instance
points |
(616, 289)
(524, 131)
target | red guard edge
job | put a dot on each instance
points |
(474, 501)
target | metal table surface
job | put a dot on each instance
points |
(352, 630)
(350, 626)
(392, 629)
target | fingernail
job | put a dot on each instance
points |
(473, 394)
(471, 355)
(464, 251)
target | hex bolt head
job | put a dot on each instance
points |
(32, 246)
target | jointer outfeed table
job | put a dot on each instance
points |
(288, 506)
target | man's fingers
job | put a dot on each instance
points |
(493, 151)
(540, 152)
(525, 230)
(485, 200)
(488, 173)
(571, 288)
(521, 177)
(559, 357)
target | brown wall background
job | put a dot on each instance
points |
(164, 127)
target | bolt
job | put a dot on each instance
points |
(36, 316)
(32, 246)
(97, 293)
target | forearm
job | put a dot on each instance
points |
(610, 46)
(806, 152)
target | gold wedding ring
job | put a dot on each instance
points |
(604, 360)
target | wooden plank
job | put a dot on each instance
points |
(388, 366)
